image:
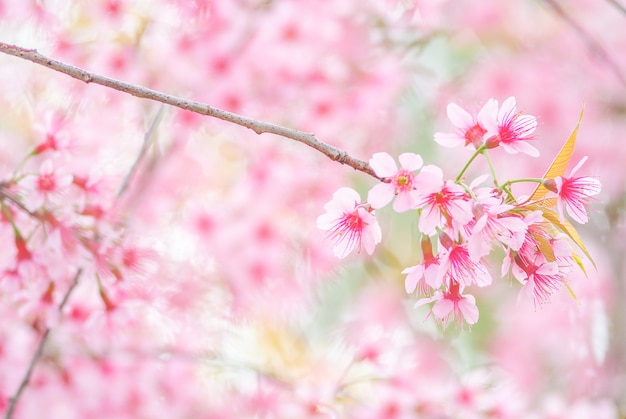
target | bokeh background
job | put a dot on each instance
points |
(206, 289)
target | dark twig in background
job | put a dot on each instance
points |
(594, 46)
(618, 6)
(44, 338)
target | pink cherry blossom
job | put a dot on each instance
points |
(458, 266)
(400, 183)
(350, 223)
(425, 274)
(55, 135)
(442, 203)
(47, 185)
(493, 225)
(514, 130)
(452, 304)
(533, 244)
(228, 214)
(469, 130)
(573, 193)
(540, 280)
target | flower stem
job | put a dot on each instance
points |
(478, 151)
(493, 172)
(528, 179)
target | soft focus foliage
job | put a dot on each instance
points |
(205, 288)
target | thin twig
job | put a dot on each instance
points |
(147, 141)
(259, 127)
(5, 194)
(44, 338)
(618, 5)
(594, 46)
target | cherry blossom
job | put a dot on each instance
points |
(494, 224)
(441, 202)
(514, 130)
(424, 275)
(212, 242)
(457, 265)
(470, 131)
(540, 281)
(453, 305)
(55, 134)
(47, 185)
(350, 222)
(573, 193)
(400, 183)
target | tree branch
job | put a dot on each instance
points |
(259, 127)
(594, 46)
(618, 6)
(44, 338)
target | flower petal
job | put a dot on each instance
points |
(578, 166)
(413, 277)
(429, 220)
(459, 116)
(577, 211)
(383, 165)
(346, 199)
(449, 140)
(380, 195)
(522, 147)
(468, 308)
(343, 248)
(326, 221)
(443, 308)
(410, 161)
(487, 116)
(527, 125)
(429, 179)
(404, 202)
(507, 109)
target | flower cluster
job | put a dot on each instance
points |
(461, 224)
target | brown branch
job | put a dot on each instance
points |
(594, 46)
(44, 338)
(259, 127)
(618, 6)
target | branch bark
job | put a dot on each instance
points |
(594, 46)
(44, 338)
(259, 127)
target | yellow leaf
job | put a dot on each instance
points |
(567, 228)
(548, 202)
(558, 166)
(571, 292)
(545, 247)
(579, 262)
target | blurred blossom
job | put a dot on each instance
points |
(206, 288)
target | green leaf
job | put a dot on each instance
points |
(560, 163)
